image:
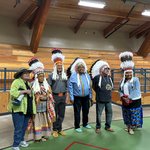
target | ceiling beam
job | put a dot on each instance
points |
(140, 29)
(27, 14)
(145, 47)
(34, 19)
(143, 33)
(118, 23)
(101, 12)
(39, 26)
(83, 18)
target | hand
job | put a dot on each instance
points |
(71, 101)
(67, 99)
(25, 92)
(91, 102)
(125, 99)
(43, 97)
(28, 92)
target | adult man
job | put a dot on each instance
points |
(102, 85)
(80, 92)
(58, 83)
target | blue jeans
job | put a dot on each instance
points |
(108, 113)
(20, 122)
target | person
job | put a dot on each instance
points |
(45, 115)
(58, 83)
(79, 87)
(21, 105)
(102, 85)
(130, 94)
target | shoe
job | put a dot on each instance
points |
(44, 139)
(55, 134)
(79, 130)
(109, 129)
(24, 144)
(15, 148)
(38, 141)
(131, 131)
(88, 126)
(97, 131)
(62, 133)
(126, 129)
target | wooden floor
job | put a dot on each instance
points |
(6, 126)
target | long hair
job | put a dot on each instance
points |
(55, 74)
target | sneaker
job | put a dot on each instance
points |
(24, 144)
(131, 131)
(44, 139)
(88, 126)
(126, 129)
(55, 134)
(15, 148)
(62, 133)
(79, 130)
(97, 131)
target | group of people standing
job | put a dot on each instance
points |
(40, 102)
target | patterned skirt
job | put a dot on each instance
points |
(133, 114)
(41, 126)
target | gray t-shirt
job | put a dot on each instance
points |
(59, 85)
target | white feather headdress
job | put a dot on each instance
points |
(37, 67)
(126, 65)
(97, 67)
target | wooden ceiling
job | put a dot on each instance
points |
(117, 15)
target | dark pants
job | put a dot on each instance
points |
(78, 103)
(20, 122)
(60, 105)
(108, 113)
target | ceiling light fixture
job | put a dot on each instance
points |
(146, 13)
(92, 3)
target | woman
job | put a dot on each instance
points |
(21, 105)
(44, 102)
(130, 94)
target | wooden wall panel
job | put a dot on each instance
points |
(16, 56)
(4, 98)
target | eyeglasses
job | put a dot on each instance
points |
(107, 68)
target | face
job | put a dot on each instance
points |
(106, 70)
(81, 69)
(40, 77)
(59, 68)
(26, 76)
(128, 75)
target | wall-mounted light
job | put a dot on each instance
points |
(146, 13)
(92, 3)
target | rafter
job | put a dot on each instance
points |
(143, 33)
(34, 19)
(83, 18)
(118, 23)
(27, 14)
(140, 29)
(145, 47)
(101, 12)
(40, 23)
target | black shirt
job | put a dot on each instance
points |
(103, 93)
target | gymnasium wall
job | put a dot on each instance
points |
(64, 37)
(88, 43)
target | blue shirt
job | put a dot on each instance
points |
(134, 89)
(75, 90)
